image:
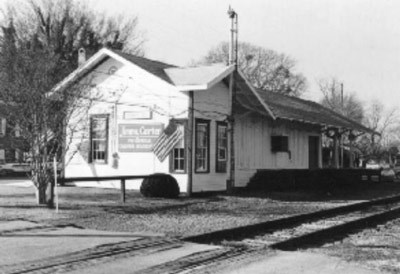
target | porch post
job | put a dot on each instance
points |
(351, 146)
(336, 149)
(189, 152)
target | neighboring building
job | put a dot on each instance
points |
(136, 98)
(11, 145)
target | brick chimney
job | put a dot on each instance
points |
(81, 56)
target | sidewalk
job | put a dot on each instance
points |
(300, 263)
(32, 247)
(29, 246)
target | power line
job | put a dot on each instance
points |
(160, 111)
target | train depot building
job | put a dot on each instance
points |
(144, 117)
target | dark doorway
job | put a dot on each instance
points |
(313, 152)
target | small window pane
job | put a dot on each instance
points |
(178, 160)
(98, 134)
(222, 147)
(202, 147)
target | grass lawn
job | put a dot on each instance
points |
(98, 208)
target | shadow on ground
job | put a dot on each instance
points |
(367, 192)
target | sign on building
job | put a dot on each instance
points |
(138, 137)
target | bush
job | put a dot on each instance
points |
(305, 179)
(160, 185)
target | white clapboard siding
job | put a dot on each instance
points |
(132, 87)
(212, 105)
(253, 146)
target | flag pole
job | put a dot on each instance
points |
(55, 181)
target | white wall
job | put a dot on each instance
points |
(132, 88)
(253, 146)
(213, 105)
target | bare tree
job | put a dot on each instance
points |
(65, 26)
(386, 123)
(351, 106)
(38, 48)
(265, 69)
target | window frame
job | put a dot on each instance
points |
(207, 124)
(107, 118)
(182, 122)
(281, 147)
(217, 168)
(3, 126)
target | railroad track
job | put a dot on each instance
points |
(308, 230)
(327, 230)
(91, 256)
(243, 244)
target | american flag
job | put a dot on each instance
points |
(167, 141)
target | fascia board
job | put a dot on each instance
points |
(86, 66)
(264, 104)
(209, 84)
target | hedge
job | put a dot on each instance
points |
(311, 179)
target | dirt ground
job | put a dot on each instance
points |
(377, 248)
(101, 209)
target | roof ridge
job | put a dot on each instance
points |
(120, 52)
(310, 103)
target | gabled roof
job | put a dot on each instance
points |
(296, 109)
(154, 67)
(276, 106)
(183, 78)
(198, 78)
(279, 106)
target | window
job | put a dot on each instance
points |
(222, 146)
(2, 126)
(202, 162)
(178, 155)
(98, 138)
(279, 143)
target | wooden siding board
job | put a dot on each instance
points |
(135, 87)
(212, 105)
(254, 146)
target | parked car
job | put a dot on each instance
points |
(12, 168)
(15, 168)
(372, 164)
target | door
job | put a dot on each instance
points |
(313, 152)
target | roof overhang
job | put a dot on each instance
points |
(255, 93)
(198, 78)
(88, 66)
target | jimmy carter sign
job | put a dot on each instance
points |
(138, 137)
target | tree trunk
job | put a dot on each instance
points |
(45, 192)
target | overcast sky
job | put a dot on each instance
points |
(357, 41)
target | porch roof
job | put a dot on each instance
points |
(279, 106)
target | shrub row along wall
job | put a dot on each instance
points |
(306, 179)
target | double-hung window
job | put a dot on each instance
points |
(202, 159)
(3, 122)
(222, 147)
(178, 159)
(98, 138)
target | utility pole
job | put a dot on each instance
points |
(233, 55)
(341, 135)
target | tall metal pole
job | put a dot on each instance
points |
(233, 53)
(341, 136)
(190, 148)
